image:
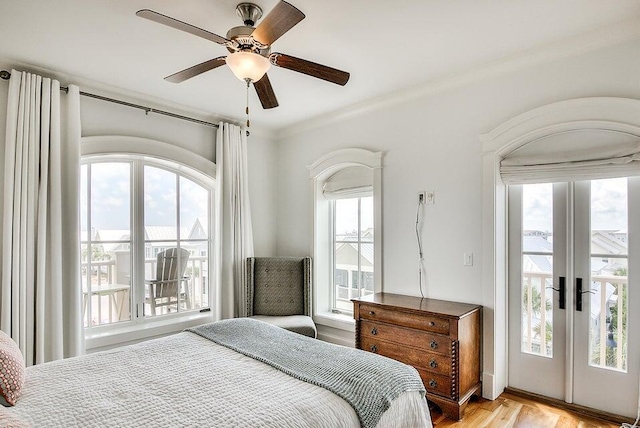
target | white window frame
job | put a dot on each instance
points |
(322, 220)
(183, 163)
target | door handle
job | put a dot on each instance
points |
(579, 294)
(562, 292)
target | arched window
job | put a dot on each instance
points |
(146, 236)
(347, 240)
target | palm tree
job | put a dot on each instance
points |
(536, 309)
(619, 336)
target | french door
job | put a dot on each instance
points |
(574, 292)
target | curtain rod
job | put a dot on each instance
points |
(5, 75)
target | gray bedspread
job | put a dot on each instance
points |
(368, 382)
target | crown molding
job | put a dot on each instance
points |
(586, 42)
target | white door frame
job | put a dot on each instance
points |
(597, 113)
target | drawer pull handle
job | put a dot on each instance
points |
(374, 331)
(433, 383)
(432, 324)
(374, 348)
(371, 313)
(433, 344)
(433, 364)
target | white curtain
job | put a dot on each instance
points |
(41, 297)
(235, 213)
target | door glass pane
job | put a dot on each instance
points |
(537, 269)
(609, 270)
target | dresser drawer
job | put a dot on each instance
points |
(422, 322)
(414, 357)
(416, 338)
(437, 384)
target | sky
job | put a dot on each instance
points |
(347, 215)
(111, 197)
(608, 205)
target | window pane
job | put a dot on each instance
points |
(346, 265)
(196, 276)
(107, 288)
(537, 269)
(160, 204)
(366, 268)
(111, 199)
(83, 202)
(84, 277)
(609, 274)
(194, 209)
(353, 246)
(366, 219)
(346, 219)
(106, 262)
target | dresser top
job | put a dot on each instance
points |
(443, 307)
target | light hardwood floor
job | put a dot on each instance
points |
(510, 410)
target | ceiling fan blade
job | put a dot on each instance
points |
(265, 93)
(179, 25)
(190, 72)
(310, 68)
(281, 19)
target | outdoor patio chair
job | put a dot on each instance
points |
(170, 288)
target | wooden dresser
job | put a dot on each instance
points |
(440, 339)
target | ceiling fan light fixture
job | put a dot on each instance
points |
(248, 65)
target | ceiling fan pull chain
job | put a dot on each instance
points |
(247, 110)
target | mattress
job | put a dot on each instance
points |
(185, 380)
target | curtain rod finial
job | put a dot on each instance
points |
(4, 74)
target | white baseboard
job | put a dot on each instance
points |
(490, 390)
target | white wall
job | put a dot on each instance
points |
(432, 144)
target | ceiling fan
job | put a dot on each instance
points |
(250, 49)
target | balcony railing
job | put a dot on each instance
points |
(537, 326)
(108, 278)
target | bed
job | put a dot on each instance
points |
(196, 379)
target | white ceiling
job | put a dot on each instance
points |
(387, 46)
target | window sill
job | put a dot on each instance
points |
(339, 321)
(118, 336)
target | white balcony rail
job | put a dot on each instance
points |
(600, 322)
(534, 314)
(107, 272)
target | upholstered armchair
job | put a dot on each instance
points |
(279, 292)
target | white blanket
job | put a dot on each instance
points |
(185, 381)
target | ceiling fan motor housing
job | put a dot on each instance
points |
(241, 36)
(249, 13)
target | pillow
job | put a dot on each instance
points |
(11, 370)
